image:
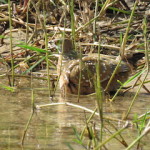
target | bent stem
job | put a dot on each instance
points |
(87, 122)
(113, 74)
(146, 130)
(111, 137)
(103, 9)
(122, 48)
(124, 84)
(79, 107)
(146, 66)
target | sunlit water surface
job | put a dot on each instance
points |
(51, 128)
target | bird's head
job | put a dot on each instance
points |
(132, 57)
(65, 48)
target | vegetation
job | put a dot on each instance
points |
(103, 27)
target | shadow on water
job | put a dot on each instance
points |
(51, 127)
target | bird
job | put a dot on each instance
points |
(71, 69)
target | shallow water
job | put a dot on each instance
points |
(52, 127)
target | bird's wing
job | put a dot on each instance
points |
(86, 68)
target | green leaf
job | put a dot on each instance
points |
(143, 122)
(4, 1)
(69, 146)
(2, 36)
(118, 10)
(133, 77)
(12, 89)
(34, 65)
(32, 48)
(120, 82)
(78, 140)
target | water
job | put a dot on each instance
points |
(52, 127)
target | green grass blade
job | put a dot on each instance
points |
(12, 89)
(2, 36)
(116, 9)
(133, 77)
(34, 65)
(69, 146)
(32, 48)
(3, 1)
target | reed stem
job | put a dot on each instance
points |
(11, 46)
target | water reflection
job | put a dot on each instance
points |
(51, 127)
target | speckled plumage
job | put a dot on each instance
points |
(71, 69)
